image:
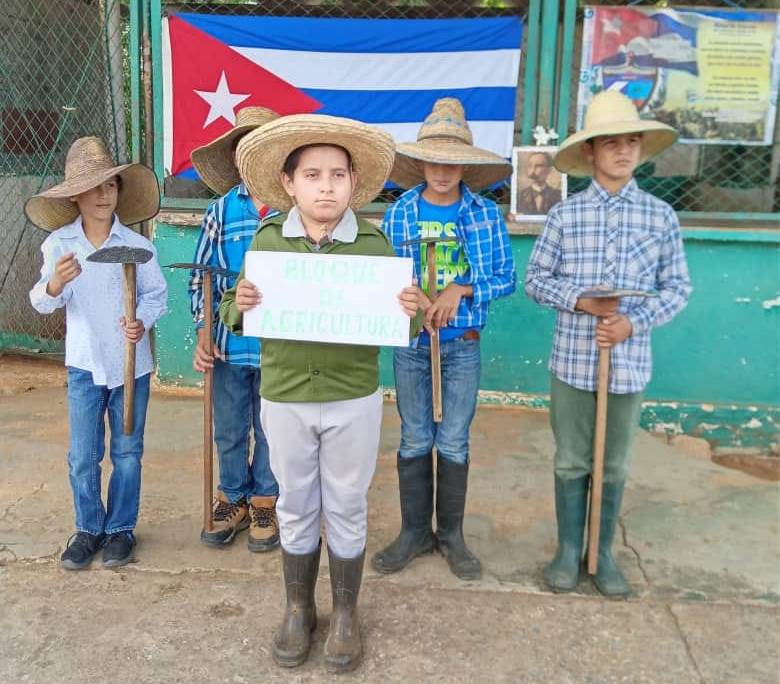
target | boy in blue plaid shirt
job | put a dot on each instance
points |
(247, 491)
(443, 170)
(611, 235)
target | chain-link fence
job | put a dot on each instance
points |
(62, 70)
(693, 178)
(65, 72)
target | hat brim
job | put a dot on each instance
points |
(571, 159)
(215, 162)
(481, 168)
(261, 154)
(139, 198)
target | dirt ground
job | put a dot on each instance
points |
(698, 543)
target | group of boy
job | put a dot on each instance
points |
(293, 183)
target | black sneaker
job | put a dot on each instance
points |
(118, 549)
(80, 550)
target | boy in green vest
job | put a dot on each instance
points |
(322, 407)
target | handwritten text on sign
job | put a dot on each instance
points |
(329, 298)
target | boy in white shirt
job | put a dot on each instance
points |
(88, 211)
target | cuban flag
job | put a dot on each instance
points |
(655, 39)
(386, 72)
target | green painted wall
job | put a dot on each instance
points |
(717, 366)
(175, 333)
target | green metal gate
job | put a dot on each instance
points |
(62, 76)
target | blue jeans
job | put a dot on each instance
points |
(236, 413)
(460, 371)
(88, 404)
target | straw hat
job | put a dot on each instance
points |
(215, 162)
(87, 165)
(261, 154)
(611, 113)
(445, 138)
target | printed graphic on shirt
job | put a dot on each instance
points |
(440, 222)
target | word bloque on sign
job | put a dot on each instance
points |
(329, 298)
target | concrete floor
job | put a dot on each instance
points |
(699, 544)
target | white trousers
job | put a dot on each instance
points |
(323, 456)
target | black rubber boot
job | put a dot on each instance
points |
(571, 503)
(415, 484)
(292, 641)
(609, 580)
(343, 648)
(451, 481)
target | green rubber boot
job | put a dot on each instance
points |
(609, 580)
(571, 501)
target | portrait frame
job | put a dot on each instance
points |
(556, 181)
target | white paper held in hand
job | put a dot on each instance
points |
(329, 298)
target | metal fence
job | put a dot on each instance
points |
(62, 67)
(697, 180)
(72, 68)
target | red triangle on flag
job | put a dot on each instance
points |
(198, 62)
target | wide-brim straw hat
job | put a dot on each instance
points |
(611, 113)
(88, 165)
(445, 138)
(216, 162)
(261, 154)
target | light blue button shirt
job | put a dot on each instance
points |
(94, 302)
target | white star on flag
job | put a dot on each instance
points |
(612, 26)
(222, 102)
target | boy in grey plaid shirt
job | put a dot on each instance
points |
(611, 235)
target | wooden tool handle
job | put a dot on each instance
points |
(436, 376)
(435, 342)
(129, 387)
(597, 476)
(208, 407)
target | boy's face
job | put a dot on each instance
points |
(615, 157)
(322, 183)
(443, 179)
(99, 203)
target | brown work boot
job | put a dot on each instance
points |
(263, 525)
(228, 520)
(343, 648)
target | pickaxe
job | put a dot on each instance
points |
(600, 433)
(208, 377)
(430, 243)
(128, 257)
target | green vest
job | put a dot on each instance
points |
(312, 371)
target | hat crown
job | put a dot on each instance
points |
(254, 116)
(610, 107)
(87, 155)
(446, 120)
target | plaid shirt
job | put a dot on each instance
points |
(228, 227)
(627, 240)
(483, 233)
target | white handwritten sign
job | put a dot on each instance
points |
(329, 298)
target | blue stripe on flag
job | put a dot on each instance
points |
(393, 106)
(668, 25)
(189, 174)
(361, 35)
